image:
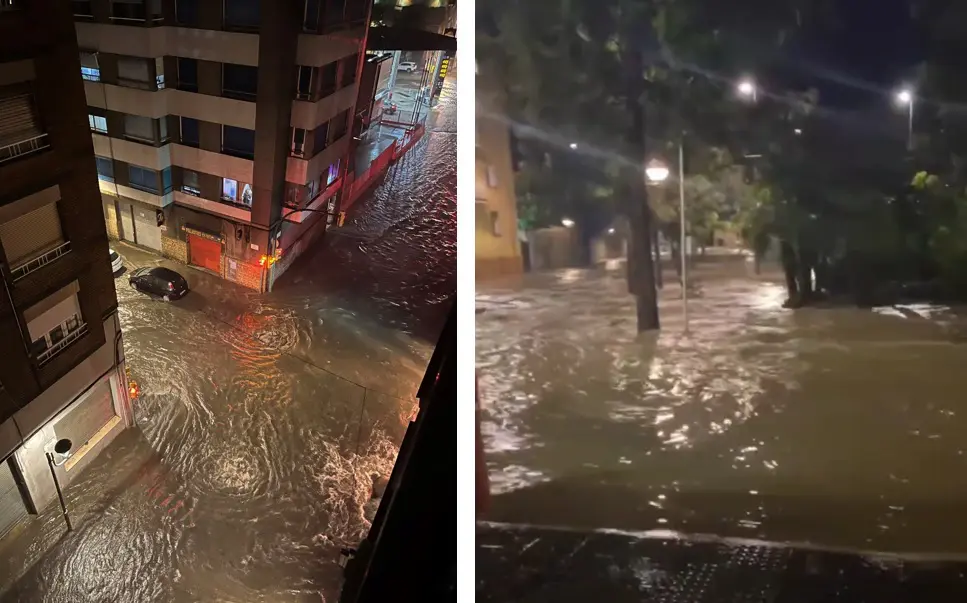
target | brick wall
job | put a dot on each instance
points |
(244, 273)
(174, 249)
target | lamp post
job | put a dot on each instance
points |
(905, 97)
(56, 458)
(657, 172)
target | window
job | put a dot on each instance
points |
(135, 10)
(159, 73)
(90, 70)
(310, 19)
(327, 83)
(304, 89)
(335, 13)
(188, 74)
(135, 72)
(239, 81)
(163, 129)
(333, 173)
(229, 189)
(82, 8)
(140, 128)
(105, 168)
(189, 132)
(33, 239)
(298, 142)
(246, 195)
(97, 123)
(166, 181)
(142, 178)
(312, 188)
(20, 127)
(186, 12)
(239, 142)
(340, 125)
(349, 66)
(242, 14)
(320, 138)
(189, 183)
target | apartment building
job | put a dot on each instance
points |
(497, 247)
(62, 374)
(215, 124)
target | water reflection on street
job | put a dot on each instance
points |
(262, 419)
(839, 426)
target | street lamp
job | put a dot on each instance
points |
(567, 222)
(656, 171)
(60, 454)
(573, 145)
(905, 97)
(748, 89)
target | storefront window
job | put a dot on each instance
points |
(333, 173)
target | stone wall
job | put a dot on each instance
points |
(174, 249)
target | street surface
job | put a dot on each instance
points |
(263, 419)
(836, 426)
(406, 93)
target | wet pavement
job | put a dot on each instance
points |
(262, 419)
(836, 426)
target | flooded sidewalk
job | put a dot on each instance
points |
(839, 426)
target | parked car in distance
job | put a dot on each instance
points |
(407, 66)
(163, 282)
(115, 261)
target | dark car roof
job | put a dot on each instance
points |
(166, 273)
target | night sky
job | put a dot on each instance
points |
(874, 49)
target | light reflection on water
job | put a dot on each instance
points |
(834, 425)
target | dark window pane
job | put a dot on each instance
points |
(166, 180)
(320, 138)
(38, 346)
(349, 70)
(304, 90)
(186, 12)
(188, 74)
(142, 178)
(239, 81)
(56, 334)
(105, 168)
(239, 142)
(327, 83)
(189, 131)
(335, 13)
(311, 18)
(242, 13)
(340, 125)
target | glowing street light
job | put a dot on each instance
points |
(748, 89)
(656, 171)
(797, 131)
(905, 97)
(611, 230)
(567, 222)
(573, 145)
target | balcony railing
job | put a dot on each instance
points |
(40, 261)
(60, 346)
(24, 147)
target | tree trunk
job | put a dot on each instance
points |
(659, 277)
(790, 268)
(677, 258)
(641, 268)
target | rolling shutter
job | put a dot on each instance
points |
(32, 234)
(86, 417)
(205, 253)
(18, 120)
(12, 507)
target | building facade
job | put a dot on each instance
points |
(214, 123)
(498, 249)
(63, 370)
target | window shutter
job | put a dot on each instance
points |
(32, 234)
(18, 120)
(139, 127)
(134, 69)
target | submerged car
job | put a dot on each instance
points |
(115, 261)
(163, 282)
(407, 67)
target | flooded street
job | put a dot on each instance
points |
(262, 419)
(836, 426)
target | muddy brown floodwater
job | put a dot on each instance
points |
(837, 426)
(252, 462)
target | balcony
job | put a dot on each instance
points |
(23, 148)
(40, 261)
(48, 354)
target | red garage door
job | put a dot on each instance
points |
(205, 253)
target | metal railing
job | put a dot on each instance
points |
(60, 346)
(23, 147)
(40, 261)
